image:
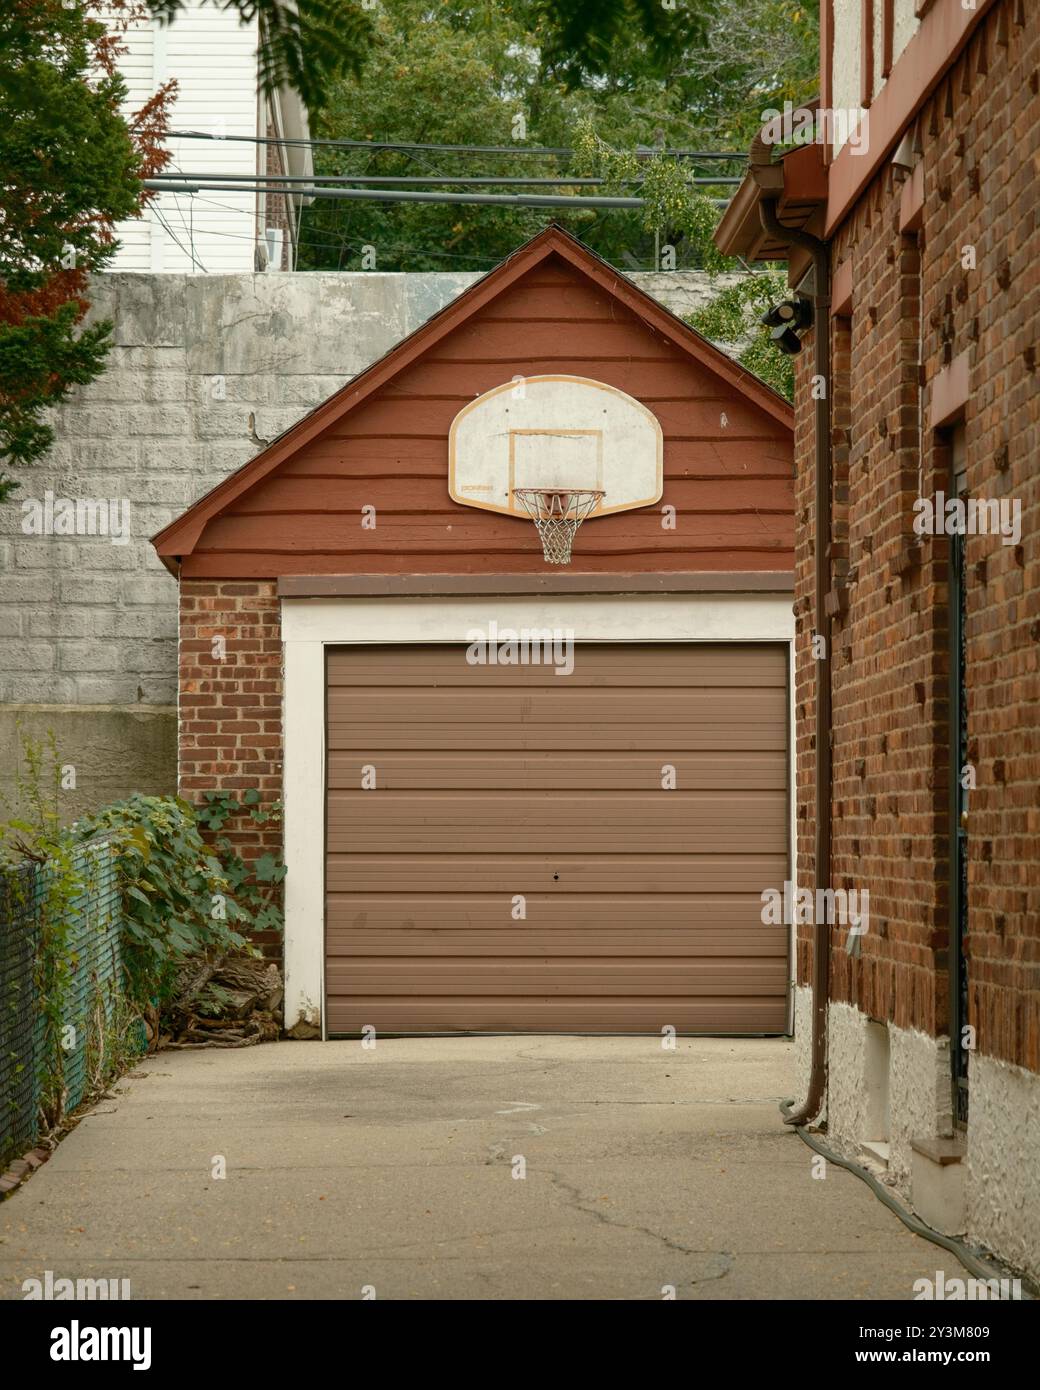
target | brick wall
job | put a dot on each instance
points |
(980, 140)
(277, 210)
(230, 705)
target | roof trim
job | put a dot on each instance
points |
(296, 586)
(944, 31)
(181, 536)
(797, 181)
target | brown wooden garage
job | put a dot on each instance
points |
(642, 905)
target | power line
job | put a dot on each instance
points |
(313, 244)
(388, 195)
(486, 180)
(191, 255)
(639, 153)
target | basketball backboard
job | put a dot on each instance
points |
(555, 433)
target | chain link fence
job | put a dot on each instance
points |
(21, 1037)
(94, 1012)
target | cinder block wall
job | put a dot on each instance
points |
(888, 665)
(204, 372)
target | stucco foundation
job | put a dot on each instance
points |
(1003, 1167)
(918, 1083)
(1002, 1171)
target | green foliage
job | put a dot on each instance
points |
(637, 73)
(41, 360)
(255, 884)
(674, 207)
(619, 40)
(38, 835)
(51, 101)
(733, 321)
(183, 899)
(69, 170)
(455, 74)
(66, 903)
(180, 901)
(755, 54)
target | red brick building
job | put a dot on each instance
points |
(916, 239)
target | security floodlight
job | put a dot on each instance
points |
(785, 319)
(789, 313)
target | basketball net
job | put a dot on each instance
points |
(557, 514)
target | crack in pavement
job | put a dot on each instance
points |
(575, 1200)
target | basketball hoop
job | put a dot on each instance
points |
(557, 513)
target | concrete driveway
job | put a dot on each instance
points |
(393, 1169)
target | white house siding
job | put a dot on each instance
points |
(846, 56)
(905, 26)
(213, 57)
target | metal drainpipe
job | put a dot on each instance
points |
(820, 252)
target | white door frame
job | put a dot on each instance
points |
(309, 625)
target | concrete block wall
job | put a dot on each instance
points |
(205, 371)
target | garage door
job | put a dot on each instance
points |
(505, 850)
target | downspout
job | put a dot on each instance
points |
(813, 1103)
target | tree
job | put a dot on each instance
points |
(674, 208)
(71, 166)
(308, 44)
(638, 76)
(617, 40)
(756, 54)
(455, 74)
(733, 321)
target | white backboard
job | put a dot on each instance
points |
(555, 432)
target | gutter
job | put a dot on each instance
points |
(820, 253)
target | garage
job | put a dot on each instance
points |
(500, 845)
(513, 849)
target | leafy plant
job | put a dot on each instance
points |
(178, 901)
(256, 884)
(182, 904)
(674, 206)
(72, 165)
(733, 322)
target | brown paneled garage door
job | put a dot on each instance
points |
(518, 865)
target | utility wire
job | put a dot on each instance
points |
(386, 195)
(445, 149)
(486, 180)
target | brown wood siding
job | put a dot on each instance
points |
(643, 905)
(731, 484)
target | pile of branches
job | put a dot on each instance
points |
(232, 1001)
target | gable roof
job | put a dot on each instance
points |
(181, 536)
